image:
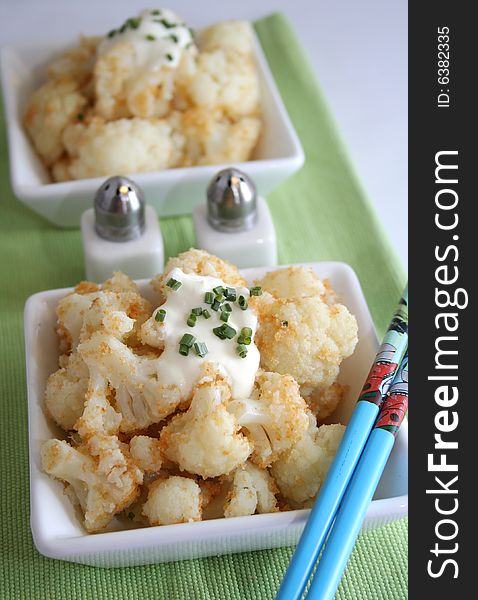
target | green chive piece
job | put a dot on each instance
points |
(244, 340)
(167, 24)
(155, 12)
(225, 316)
(134, 23)
(284, 323)
(215, 305)
(160, 315)
(197, 311)
(150, 37)
(228, 331)
(187, 340)
(230, 294)
(191, 320)
(80, 116)
(242, 351)
(201, 349)
(131, 516)
(112, 33)
(227, 307)
(206, 314)
(219, 298)
(169, 56)
(218, 290)
(123, 28)
(174, 284)
(246, 331)
(256, 291)
(242, 303)
(218, 331)
(183, 350)
(208, 297)
(174, 38)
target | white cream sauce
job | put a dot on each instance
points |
(185, 371)
(158, 37)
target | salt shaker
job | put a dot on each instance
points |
(235, 223)
(121, 233)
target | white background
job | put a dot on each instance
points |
(358, 49)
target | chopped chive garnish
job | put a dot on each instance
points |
(187, 340)
(256, 291)
(208, 297)
(191, 32)
(174, 37)
(229, 331)
(160, 315)
(244, 340)
(155, 12)
(183, 349)
(167, 24)
(218, 331)
(225, 316)
(174, 284)
(201, 349)
(284, 323)
(242, 302)
(218, 290)
(191, 320)
(80, 116)
(122, 28)
(226, 307)
(241, 350)
(150, 37)
(169, 56)
(215, 305)
(134, 23)
(197, 311)
(131, 516)
(246, 331)
(230, 294)
(112, 33)
(206, 314)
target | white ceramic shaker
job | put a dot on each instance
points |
(121, 233)
(235, 223)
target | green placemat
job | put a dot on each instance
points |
(321, 214)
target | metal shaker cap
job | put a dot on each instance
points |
(119, 210)
(231, 201)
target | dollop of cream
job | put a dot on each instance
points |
(185, 371)
(158, 37)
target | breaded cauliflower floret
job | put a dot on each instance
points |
(300, 472)
(145, 452)
(324, 400)
(65, 392)
(199, 262)
(50, 109)
(100, 149)
(206, 440)
(212, 138)
(275, 417)
(98, 417)
(229, 35)
(173, 500)
(292, 282)
(102, 488)
(306, 338)
(140, 398)
(253, 490)
(77, 64)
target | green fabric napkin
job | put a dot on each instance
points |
(320, 214)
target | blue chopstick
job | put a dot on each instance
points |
(359, 493)
(386, 363)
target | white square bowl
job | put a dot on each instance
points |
(172, 191)
(57, 531)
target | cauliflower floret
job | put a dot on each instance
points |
(292, 282)
(77, 64)
(140, 398)
(103, 488)
(324, 400)
(174, 500)
(275, 416)
(50, 109)
(65, 392)
(202, 263)
(98, 417)
(101, 149)
(205, 440)
(212, 138)
(306, 338)
(145, 452)
(253, 490)
(229, 35)
(300, 472)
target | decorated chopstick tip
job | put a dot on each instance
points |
(395, 405)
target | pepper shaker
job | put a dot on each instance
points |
(121, 233)
(235, 223)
